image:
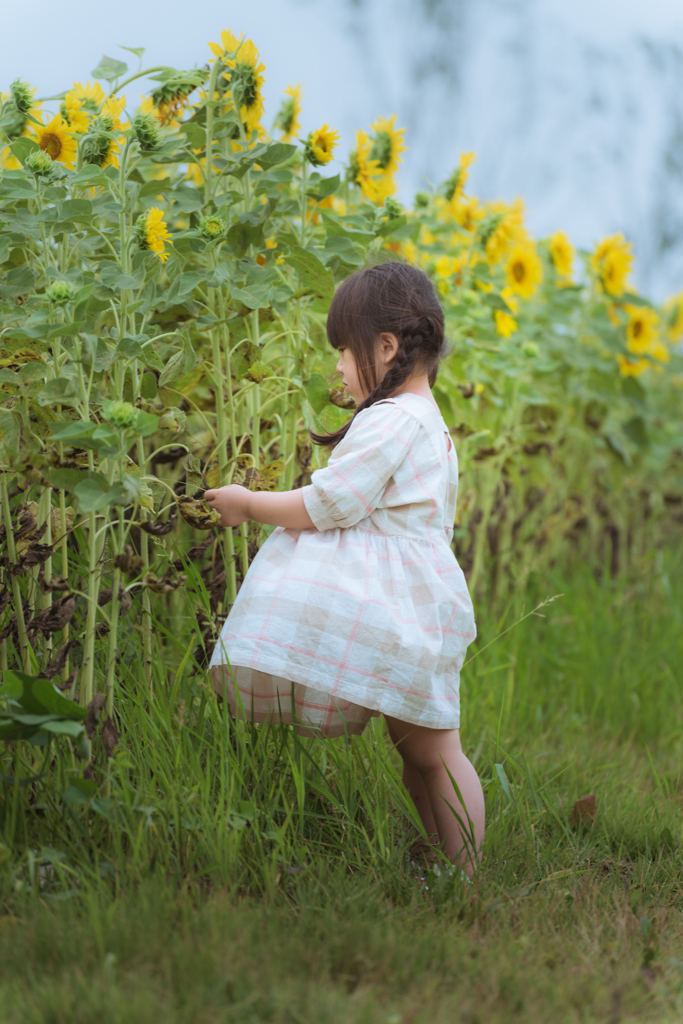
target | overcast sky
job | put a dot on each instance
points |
(52, 44)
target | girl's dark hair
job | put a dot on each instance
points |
(391, 298)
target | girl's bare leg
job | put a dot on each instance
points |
(430, 754)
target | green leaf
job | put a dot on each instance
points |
(277, 153)
(180, 364)
(148, 386)
(153, 188)
(61, 389)
(312, 273)
(64, 727)
(92, 495)
(146, 423)
(22, 147)
(109, 69)
(326, 187)
(75, 209)
(390, 226)
(347, 251)
(10, 436)
(253, 296)
(636, 431)
(139, 51)
(55, 702)
(317, 391)
(4, 248)
(18, 281)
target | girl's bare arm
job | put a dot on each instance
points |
(236, 505)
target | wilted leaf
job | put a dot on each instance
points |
(93, 709)
(52, 619)
(159, 528)
(165, 584)
(128, 561)
(105, 596)
(583, 811)
(197, 513)
(58, 660)
(110, 736)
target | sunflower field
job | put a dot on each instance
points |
(165, 271)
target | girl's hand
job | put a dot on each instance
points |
(232, 502)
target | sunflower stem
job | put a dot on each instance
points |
(16, 588)
(208, 170)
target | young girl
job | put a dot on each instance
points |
(355, 604)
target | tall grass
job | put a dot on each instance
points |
(238, 873)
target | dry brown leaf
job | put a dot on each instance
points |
(110, 736)
(93, 709)
(583, 811)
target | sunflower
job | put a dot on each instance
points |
(364, 171)
(500, 228)
(506, 325)
(75, 116)
(243, 78)
(320, 144)
(387, 144)
(524, 270)
(561, 253)
(642, 329)
(467, 213)
(631, 367)
(55, 140)
(673, 311)
(287, 117)
(454, 186)
(611, 262)
(90, 97)
(151, 232)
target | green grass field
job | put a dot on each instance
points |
(243, 875)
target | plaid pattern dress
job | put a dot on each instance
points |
(370, 611)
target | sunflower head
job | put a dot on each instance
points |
(673, 314)
(146, 128)
(387, 144)
(151, 233)
(631, 367)
(561, 253)
(524, 270)
(75, 116)
(612, 263)
(642, 329)
(55, 140)
(320, 145)
(242, 78)
(90, 97)
(454, 186)
(170, 98)
(500, 228)
(287, 117)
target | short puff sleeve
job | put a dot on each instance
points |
(355, 478)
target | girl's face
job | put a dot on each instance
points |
(346, 365)
(387, 347)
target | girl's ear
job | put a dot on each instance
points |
(388, 347)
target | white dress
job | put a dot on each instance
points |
(370, 611)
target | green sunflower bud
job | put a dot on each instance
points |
(96, 144)
(393, 208)
(120, 415)
(22, 96)
(530, 348)
(211, 227)
(59, 292)
(39, 162)
(422, 199)
(146, 128)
